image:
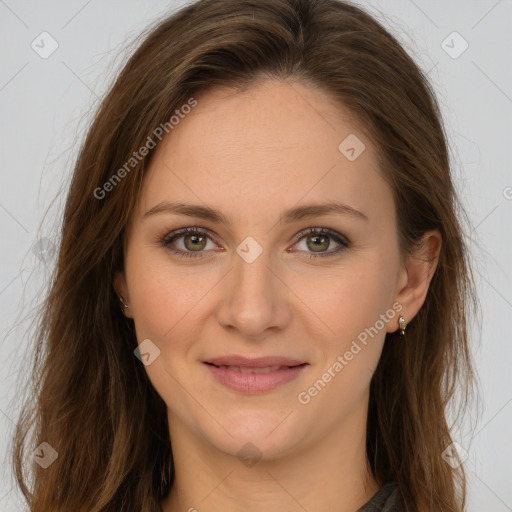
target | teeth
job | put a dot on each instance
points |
(252, 370)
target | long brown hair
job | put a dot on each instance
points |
(91, 399)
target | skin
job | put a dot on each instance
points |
(252, 155)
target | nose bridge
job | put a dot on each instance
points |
(251, 268)
(253, 300)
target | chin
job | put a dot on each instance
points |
(264, 435)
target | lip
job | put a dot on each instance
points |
(244, 380)
(254, 362)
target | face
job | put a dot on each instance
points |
(269, 314)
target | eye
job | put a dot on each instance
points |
(193, 242)
(317, 240)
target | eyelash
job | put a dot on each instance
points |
(171, 237)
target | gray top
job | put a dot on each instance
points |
(386, 499)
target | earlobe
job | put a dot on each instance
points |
(417, 275)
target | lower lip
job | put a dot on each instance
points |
(254, 383)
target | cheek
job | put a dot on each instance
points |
(350, 298)
(163, 296)
(347, 360)
(354, 306)
(149, 294)
(164, 303)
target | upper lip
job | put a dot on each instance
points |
(256, 362)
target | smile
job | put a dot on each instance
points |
(254, 380)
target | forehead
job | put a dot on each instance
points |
(274, 141)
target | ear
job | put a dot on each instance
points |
(121, 289)
(416, 275)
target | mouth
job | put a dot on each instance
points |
(246, 369)
(254, 376)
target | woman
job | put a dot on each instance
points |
(262, 289)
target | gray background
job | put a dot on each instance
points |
(45, 106)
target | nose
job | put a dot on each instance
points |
(254, 298)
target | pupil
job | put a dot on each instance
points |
(195, 240)
(318, 240)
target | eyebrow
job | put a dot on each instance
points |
(289, 216)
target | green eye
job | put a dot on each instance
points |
(195, 241)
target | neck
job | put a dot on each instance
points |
(331, 474)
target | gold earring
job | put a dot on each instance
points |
(403, 325)
(124, 306)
